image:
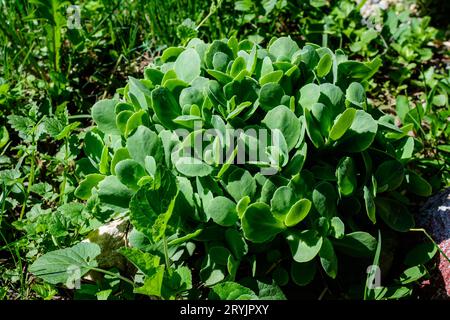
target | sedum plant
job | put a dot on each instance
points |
(246, 172)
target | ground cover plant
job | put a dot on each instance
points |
(345, 99)
(333, 170)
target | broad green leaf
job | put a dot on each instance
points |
(417, 185)
(402, 107)
(240, 183)
(305, 245)
(84, 189)
(331, 95)
(193, 167)
(323, 116)
(357, 244)
(445, 148)
(282, 118)
(166, 107)
(370, 204)
(389, 175)
(4, 136)
(296, 162)
(232, 291)
(67, 265)
(412, 274)
(139, 118)
(239, 64)
(303, 273)
(191, 96)
(337, 228)
(220, 61)
(313, 130)
(283, 49)
(420, 254)
(346, 176)
(242, 205)
(93, 146)
(355, 95)
(298, 212)
(355, 71)
(274, 76)
(129, 172)
(392, 293)
(119, 155)
(122, 120)
(236, 243)
(154, 75)
(324, 65)
(222, 210)
(152, 284)
(258, 223)
(104, 116)
(309, 94)
(187, 65)
(361, 133)
(270, 96)
(139, 94)
(325, 199)
(104, 161)
(328, 258)
(215, 47)
(142, 143)
(171, 53)
(113, 194)
(394, 214)
(282, 201)
(219, 255)
(269, 291)
(342, 123)
(145, 262)
(151, 206)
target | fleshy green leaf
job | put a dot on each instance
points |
(394, 214)
(258, 223)
(187, 65)
(357, 244)
(114, 194)
(346, 176)
(282, 118)
(104, 116)
(222, 210)
(305, 245)
(328, 258)
(298, 212)
(342, 123)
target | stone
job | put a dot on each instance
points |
(110, 237)
(435, 218)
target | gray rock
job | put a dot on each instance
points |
(435, 218)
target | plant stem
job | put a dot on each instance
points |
(166, 252)
(113, 274)
(30, 183)
(212, 10)
(80, 116)
(63, 184)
